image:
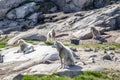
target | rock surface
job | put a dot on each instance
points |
(76, 5)
(117, 40)
(31, 34)
(21, 15)
(32, 65)
(16, 14)
(42, 52)
(27, 14)
(23, 11)
(86, 33)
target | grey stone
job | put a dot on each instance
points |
(93, 56)
(53, 9)
(47, 20)
(76, 5)
(88, 49)
(108, 57)
(37, 37)
(22, 11)
(110, 48)
(70, 72)
(6, 5)
(34, 17)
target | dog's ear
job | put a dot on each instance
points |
(18, 41)
(60, 44)
(57, 42)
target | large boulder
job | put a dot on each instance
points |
(31, 34)
(70, 72)
(23, 11)
(41, 53)
(86, 33)
(34, 17)
(17, 14)
(7, 5)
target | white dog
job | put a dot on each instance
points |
(65, 54)
(25, 47)
(51, 35)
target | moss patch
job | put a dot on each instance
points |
(2, 44)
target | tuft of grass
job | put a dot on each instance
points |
(91, 75)
(49, 42)
(86, 75)
(46, 77)
(2, 44)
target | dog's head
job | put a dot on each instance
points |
(20, 41)
(58, 45)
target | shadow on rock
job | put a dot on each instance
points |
(18, 77)
(71, 71)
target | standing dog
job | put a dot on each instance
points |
(25, 47)
(65, 55)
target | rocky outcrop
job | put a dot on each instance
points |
(23, 11)
(107, 17)
(76, 5)
(7, 5)
(18, 14)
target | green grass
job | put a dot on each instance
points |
(49, 42)
(91, 75)
(2, 44)
(86, 75)
(47, 77)
(3, 41)
(100, 46)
